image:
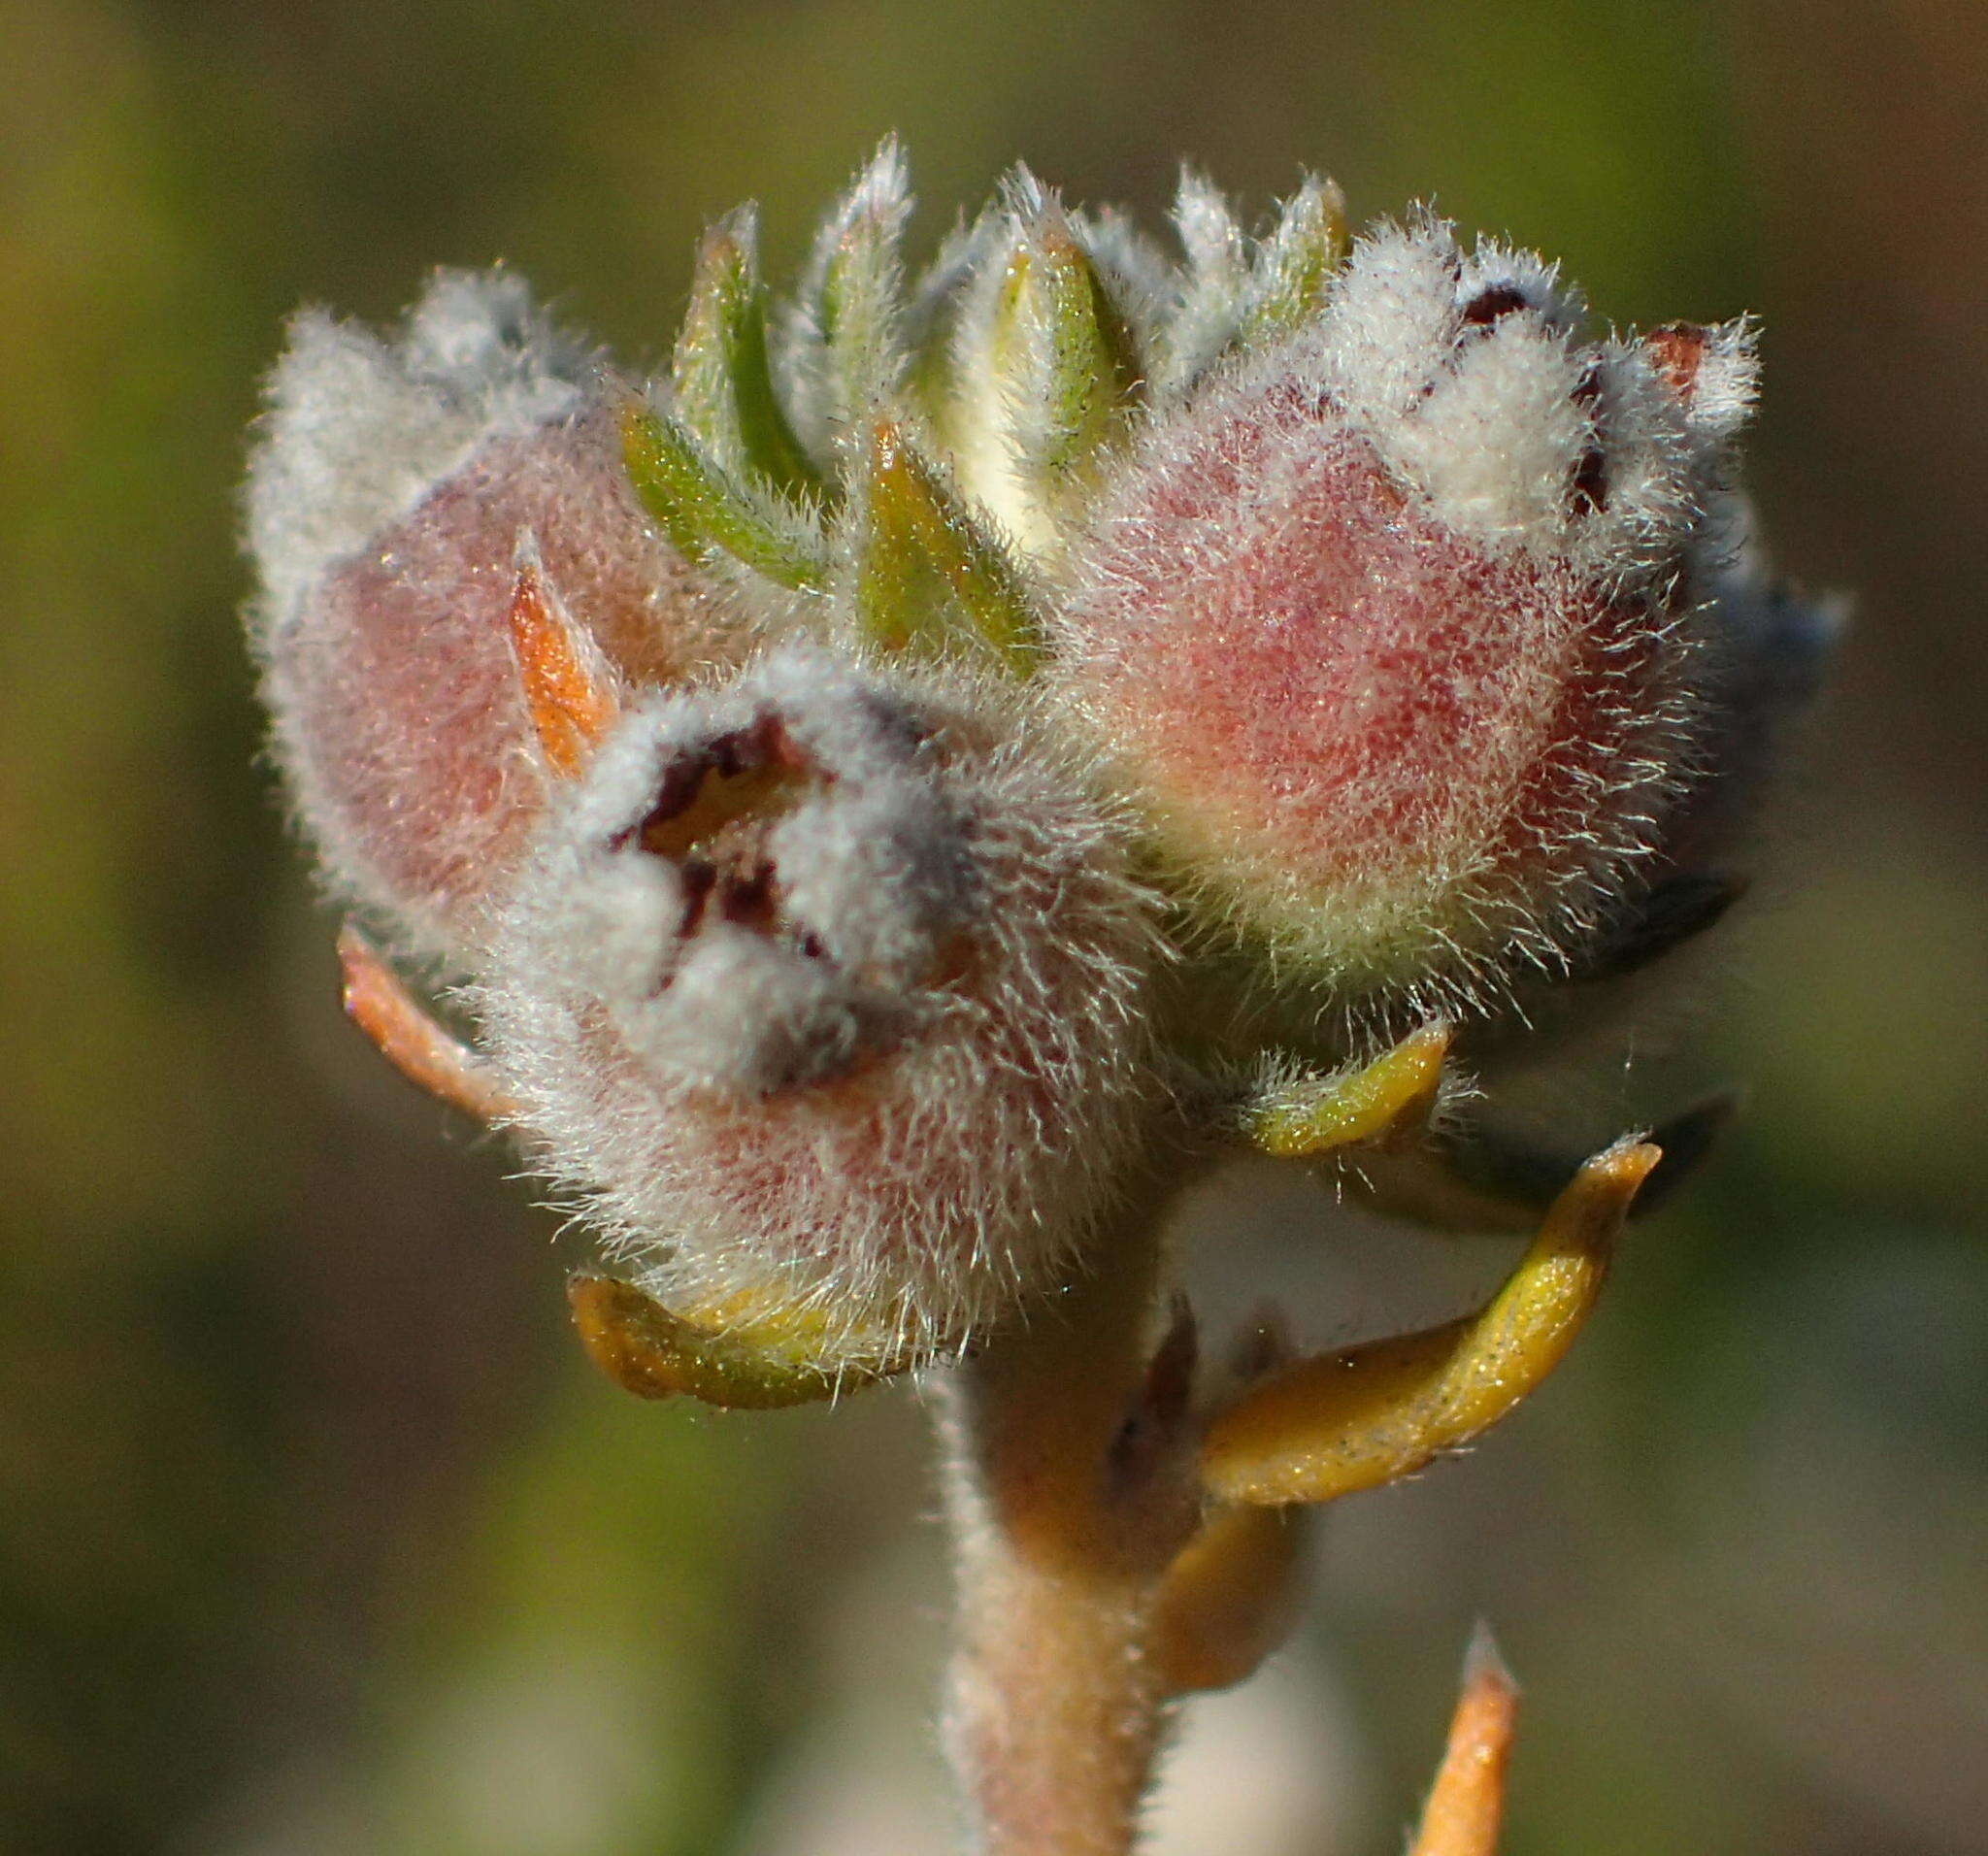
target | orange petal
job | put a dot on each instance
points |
(568, 690)
(1467, 1803)
(409, 1038)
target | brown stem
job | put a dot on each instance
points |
(1070, 1487)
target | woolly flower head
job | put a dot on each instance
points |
(1398, 625)
(824, 991)
(396, 490)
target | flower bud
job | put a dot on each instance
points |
(1397, 628)
(823, 993)
(397, 491)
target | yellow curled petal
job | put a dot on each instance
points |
(646, 1349)
(1341, 1422)
(1230, 1597)
(1309, 1117)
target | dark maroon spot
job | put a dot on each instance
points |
(1590, 487)
(744, 773)
(748, 896)
(1493, 304)
(733, 754)
(678, 788)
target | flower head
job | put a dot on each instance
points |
(831, 764)
(802, 753)
(1400, 625)
(824, 990)
(396, 491)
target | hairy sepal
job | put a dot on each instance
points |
(721, 378)
(844, 348)
(1049, 359)
(1243, 294)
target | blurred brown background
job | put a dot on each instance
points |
(317, 1537)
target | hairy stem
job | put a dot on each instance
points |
(1070, 1483)
(1119, 1544)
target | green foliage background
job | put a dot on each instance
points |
(315, 1536)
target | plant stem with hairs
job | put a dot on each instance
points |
(1069, 1483)
(1102, 1577)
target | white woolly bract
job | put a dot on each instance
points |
(1466, 374)
(1214, 290)
(359, 429)
(894, 1102)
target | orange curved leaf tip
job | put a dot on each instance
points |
(1341, 1422)
(648, 1350)
(1466, 1807)
(1391, 1095)
(404, 1032)
(568, 692)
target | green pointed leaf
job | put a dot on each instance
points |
(721, 382)
(704, 513)
(925, 559)
(1048, 369)
(1295, 264)
(1071, 353)
(846, 341)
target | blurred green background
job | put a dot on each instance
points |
(317, 1537)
